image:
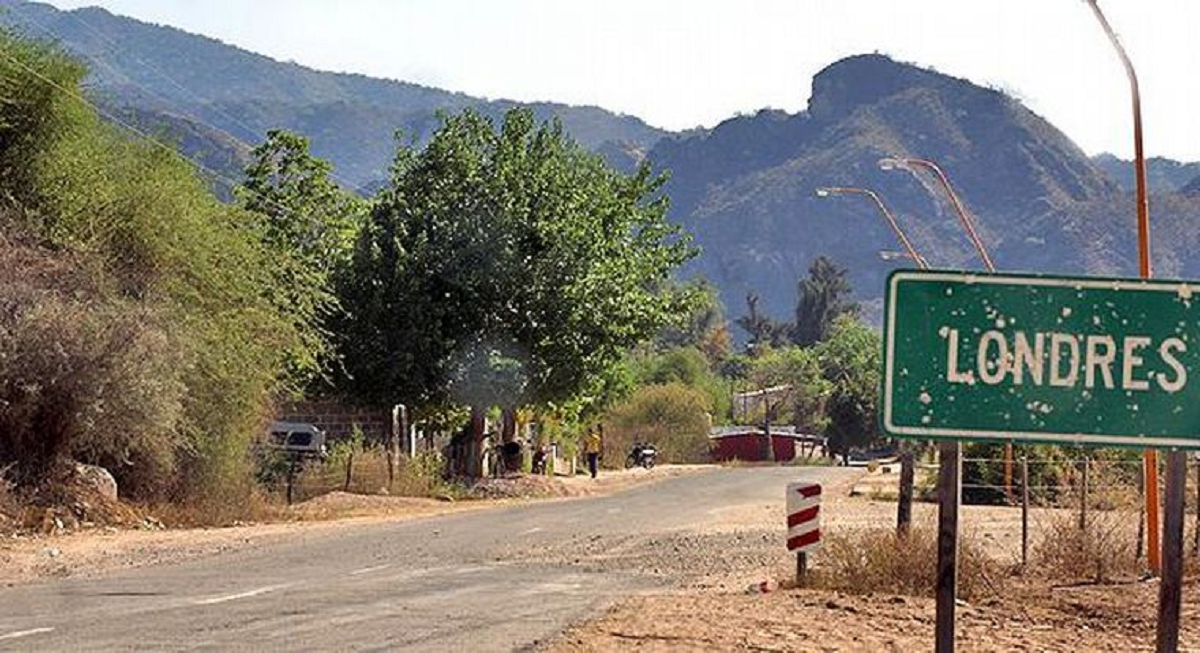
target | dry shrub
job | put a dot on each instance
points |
(9, 506)
(879, 560)
(212, 511)
(1100, 553)
(82, 376)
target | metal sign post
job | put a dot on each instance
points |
(946, 590)
(804, 524)
(1061, 360)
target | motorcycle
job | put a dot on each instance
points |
(641, 455)
(538, 464)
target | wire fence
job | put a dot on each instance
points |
(295, 479)
(1082, 517)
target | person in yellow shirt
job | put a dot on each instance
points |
(593, 444)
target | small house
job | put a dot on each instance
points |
(746, 442)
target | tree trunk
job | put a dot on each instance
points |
(474, 444)
(508, 433)
(768, 450)
(399, 423)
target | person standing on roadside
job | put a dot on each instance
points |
(592, 445)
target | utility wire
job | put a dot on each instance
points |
(116, 47)
(199, 167)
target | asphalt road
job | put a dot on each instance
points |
(476, 581)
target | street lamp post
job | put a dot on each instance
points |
(888, 217)
(1149, 457)
(904, 500)
(910, 164)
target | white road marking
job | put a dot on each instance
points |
(26, 633)
(367, 570)
(241, 595)
(533, 530)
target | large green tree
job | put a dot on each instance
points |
(850, 362)
(306, 224)
(821, 299)
(513, 241)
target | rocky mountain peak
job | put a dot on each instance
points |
(864, 79)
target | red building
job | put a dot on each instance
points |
(746, 443)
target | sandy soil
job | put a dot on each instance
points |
(1114, 618)
(714, 607)
(28, 557)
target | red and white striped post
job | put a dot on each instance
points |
(804, 523)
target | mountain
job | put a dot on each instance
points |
(350, 118)
(1161, 174)
(746, 188)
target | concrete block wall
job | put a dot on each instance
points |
(337, 418)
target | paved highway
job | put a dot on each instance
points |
(477, 581)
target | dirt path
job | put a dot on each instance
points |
(26, 558)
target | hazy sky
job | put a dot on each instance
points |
(695, 62)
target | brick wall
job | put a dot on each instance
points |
(338, 418)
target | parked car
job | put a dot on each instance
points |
(298, 438)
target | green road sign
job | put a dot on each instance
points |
(1064, 360)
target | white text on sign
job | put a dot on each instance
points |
(1067, 360)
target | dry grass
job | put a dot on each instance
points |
(365, 471)
(9, 506)
(1102, 552)
(255, 508)
(878, 560)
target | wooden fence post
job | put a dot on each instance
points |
(291, 477)
(904, 504)
(1024, 511)
(1083, 499)
(1170, 590)
(349, 471)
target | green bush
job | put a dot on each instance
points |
(157, 353)
(671, 416)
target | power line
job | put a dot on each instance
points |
(199, 167)
(116, 47)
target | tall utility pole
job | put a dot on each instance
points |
(1149, 457)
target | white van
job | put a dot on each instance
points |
(297, 438)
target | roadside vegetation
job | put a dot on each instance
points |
(502, 276)
(141, 327)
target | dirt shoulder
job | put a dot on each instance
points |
(26, 558)
(1031, 619)
(714, 608)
